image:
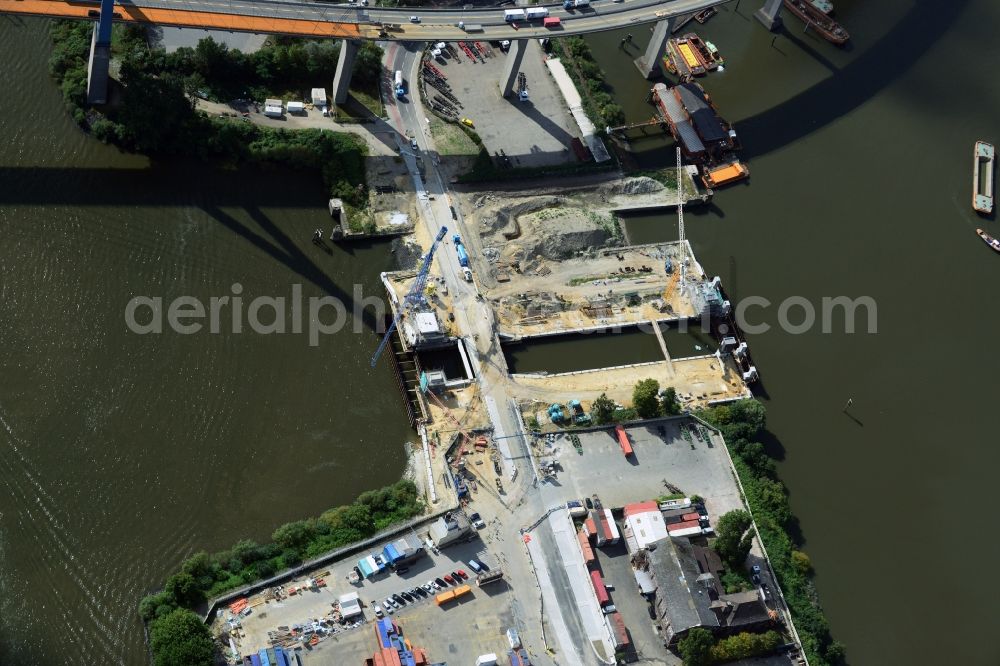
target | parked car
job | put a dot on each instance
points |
(475, 566)
(399, 600)
(456, 577)
(391, 603)
(419, 590)
(429, 586)
(448, 579)
(756, 579)
(438, 583)
(406, 595)
(378, 610)
(413, 144)
(462, 573)
(477, 521)
(402, 570)
(609, 609)
(414, 19)
(589, 503)
(467, 122)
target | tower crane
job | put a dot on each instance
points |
(413, 296)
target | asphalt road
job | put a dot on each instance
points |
(442, 24)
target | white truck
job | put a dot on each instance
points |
(575, 4)
(512, 15)
(467, 273)
(535, 13)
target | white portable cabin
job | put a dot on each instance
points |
(273, 108)
(295, 107)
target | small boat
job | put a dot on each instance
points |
(701, 52)
(989, 240)
(982, 177)
(829, 29)
(705, 14)
(824, 6)
(714, 53)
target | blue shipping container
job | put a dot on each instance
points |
(264, 661)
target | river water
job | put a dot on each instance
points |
(123, 453)
(860, 186)
(120, 453)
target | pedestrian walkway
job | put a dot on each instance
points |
(575, 103)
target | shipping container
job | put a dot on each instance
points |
(603, 597)
(462, 590)
(511, 15)
(588, 552)
(623, 440)
(690, 531)
(615, 536)
(552, 22)
(255, 660)
(486, 660)
(518, 658)
(471, 27)
(687, 524)
(691, 516)
(264, 661)
(444, 597)
(618, 631)
(513, 639)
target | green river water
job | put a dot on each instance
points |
(120, 453)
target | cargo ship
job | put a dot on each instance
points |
(989, 240)
(701, 52)
(982, 177)
(829, 29)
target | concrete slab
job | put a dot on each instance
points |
(533, 133)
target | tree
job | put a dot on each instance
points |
(745, 646)
(603, 409)
(645, 398)
(696, 647)
(670, 404)
(294, 535)
(180, 638)
(801, 562)
(734, 539)
(183, 589)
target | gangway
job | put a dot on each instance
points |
(413, 296)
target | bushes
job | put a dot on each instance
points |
(741, 424)
(204, 576)
(699, 647)
(601, 108)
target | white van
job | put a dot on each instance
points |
(475, 566)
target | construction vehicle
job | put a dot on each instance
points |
(398, 85)
(414, 296)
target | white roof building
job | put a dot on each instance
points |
(319, 96)
(644, 525)
(350, 605)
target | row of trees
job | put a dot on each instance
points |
(700, 648)
(647, 403)
(597, 100)
(743, 426)
(203, 576)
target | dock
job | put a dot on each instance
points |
(982, 177)
(663, 345)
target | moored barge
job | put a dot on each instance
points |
(983, 159)
(829, 29)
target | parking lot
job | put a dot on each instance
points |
(316, 604)
(661, 462)
(536, 132)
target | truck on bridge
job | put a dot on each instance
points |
(575, 4)
(398, 85)
(512, 15)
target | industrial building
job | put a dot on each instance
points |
(684, 596)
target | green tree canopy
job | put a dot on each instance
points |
(184, 590)
(180, 638)
(734, 539)
(603, 409)
(670, 404)
(696, 647)
(646, 399)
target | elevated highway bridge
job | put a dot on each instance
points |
(355, 23)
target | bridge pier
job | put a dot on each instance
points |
(345, 67)
(648, 61)
(512, 66)
(769, 14)
(100, 56)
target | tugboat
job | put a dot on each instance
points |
(829, 29)
(983, 158)
(989, 240)
(714, 53)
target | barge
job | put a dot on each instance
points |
(983, 158)
(724, 174)
(689, 56)
(701, 52)
(829, 29)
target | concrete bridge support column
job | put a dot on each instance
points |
(345, 67)
(769, 14)
(648, 61)
(100, 56)
(512, 66)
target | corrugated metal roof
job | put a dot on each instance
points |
(706, 121)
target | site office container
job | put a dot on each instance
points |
(552, 22)
(511, 15)
(603, 597)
